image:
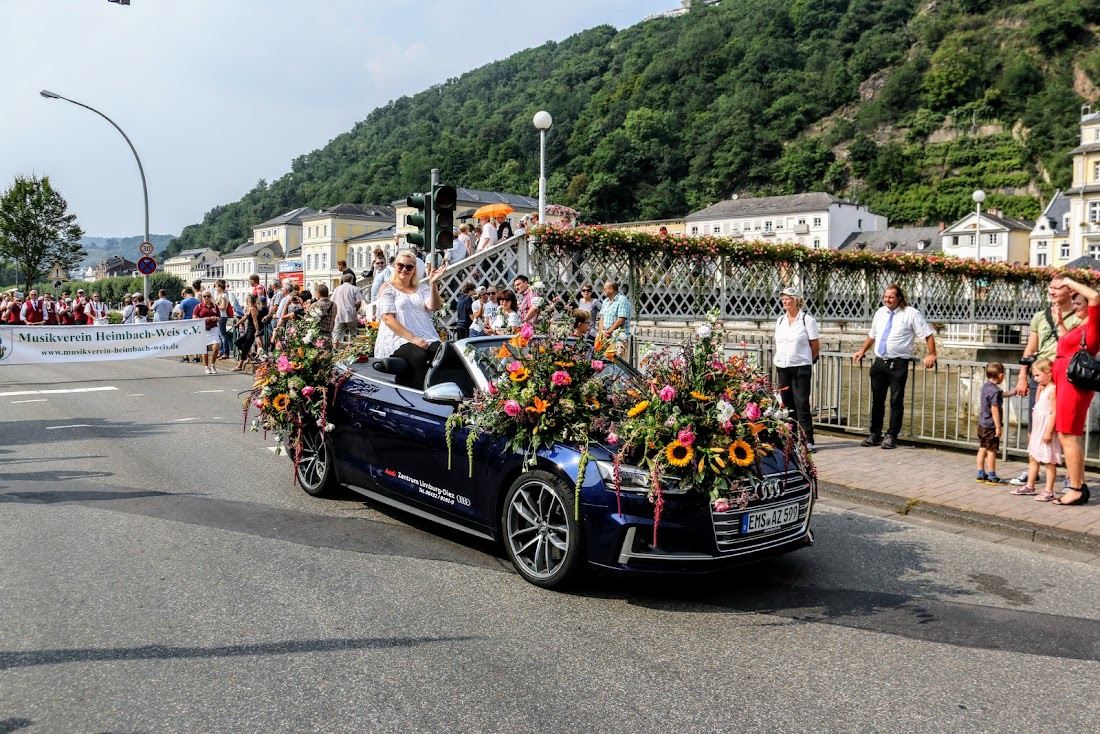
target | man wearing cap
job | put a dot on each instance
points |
(797, 342)
(895, 327)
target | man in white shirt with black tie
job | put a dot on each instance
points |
(895, 327)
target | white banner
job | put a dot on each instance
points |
(53, 344)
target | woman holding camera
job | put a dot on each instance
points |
(797, 343)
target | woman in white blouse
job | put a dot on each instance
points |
(406, 329)
(797, 342)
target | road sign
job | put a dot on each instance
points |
(146, 248)
(57, 273)
(265, 268)
(147, 265)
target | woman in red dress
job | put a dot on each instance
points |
(1072, 402)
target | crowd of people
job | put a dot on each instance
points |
(32, 309)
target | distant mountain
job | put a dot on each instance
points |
(101, 248)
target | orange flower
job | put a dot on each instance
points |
(519, 375)
(503, 352)
(637, 409)
(372, 324)
(700, 396)
(539, 407)
(518, 342)
(756, 428)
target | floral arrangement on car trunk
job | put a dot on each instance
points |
(295, 383)
(541, 392)
(703, 421)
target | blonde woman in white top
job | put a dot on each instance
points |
(797, 343)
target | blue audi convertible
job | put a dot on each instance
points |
(390, 444)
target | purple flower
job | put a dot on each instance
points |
(667, 393)
(512, 408)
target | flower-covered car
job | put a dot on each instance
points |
(531, 468)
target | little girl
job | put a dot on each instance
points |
(1043, 448)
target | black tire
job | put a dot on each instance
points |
(540, 534)
(315, 470)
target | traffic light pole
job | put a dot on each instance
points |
(436, 255)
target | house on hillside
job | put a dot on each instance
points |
(187, 265)
(814, 219)
(1002, 239)
(1050, 244)
(326, 233)
(911, 240)
(115, 266)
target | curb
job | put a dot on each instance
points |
(919, 508)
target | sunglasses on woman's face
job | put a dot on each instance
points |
(586, 290)
(404, 266)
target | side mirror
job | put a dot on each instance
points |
(446, 393)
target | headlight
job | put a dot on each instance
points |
(635, 479)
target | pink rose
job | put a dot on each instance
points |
(258, 403)
(319, 343)
(526, 331)
(493, 389)
(515, 367)
(283, 364)
(561, 377)
(727, 426)
(721, 505)
(686, 437)
(612, 438)
(308, 390)
(512, 408)
(558, 346)
(278, 345)
(667, 393)
(598, 365)
(752, 411)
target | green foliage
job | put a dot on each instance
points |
(37, 230)
(113, 289)
(746, 96)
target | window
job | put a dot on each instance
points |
(993, 238)
(817, 221)
(1096, 170)
(768, 225)
(756, 225)
(326, 231)
(695, 230)
(1041, 259)
(1094, 250)
(1094, 211)
(1063, 251)
(954, 240)
(859, 224)
(817, 243)
(802, 220)
(1041, 245)
(324, 257)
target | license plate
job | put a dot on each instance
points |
(769, 519)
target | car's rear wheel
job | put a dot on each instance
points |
(314, 467)
(541, 536)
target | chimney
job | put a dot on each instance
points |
(942, 226)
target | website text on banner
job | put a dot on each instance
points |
(54, 344)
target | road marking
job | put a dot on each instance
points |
(56, 392)
(202, 391)
(75, 425)
(183, 420)
(36, 400)
(136, 395)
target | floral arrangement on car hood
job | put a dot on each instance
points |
(541, 392)
(295, 383)
(702, 420)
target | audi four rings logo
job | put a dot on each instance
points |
(767, 489)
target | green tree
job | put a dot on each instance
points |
(36, 230)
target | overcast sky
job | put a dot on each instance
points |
(217, 94)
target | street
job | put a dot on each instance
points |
(161, 574)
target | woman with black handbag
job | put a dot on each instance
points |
(1074, 389)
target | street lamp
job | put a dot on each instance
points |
(978, 197)
(542, 121)
(144, 188)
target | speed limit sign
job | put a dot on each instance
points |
(146, 248)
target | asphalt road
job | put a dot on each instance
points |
(159, 573)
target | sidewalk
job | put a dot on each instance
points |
(940, 483)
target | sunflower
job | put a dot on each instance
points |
(741, 453)
(281, 401)
(593, 402)
(519, 375)
(679, 454)
(700, 396)
(637, 409)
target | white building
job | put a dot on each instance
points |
(251, 258)
(1050, 236)
(325, 235)
(815, 219)
(187, 265)
(1003, 239)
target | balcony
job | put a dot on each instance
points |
(1091, 230)
(768, 233)
(801, 229)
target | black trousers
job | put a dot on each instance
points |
(794, 389)
(417, 360)
(888, 375)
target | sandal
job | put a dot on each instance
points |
(1023, 491)
(1045, 496)
(236, 369)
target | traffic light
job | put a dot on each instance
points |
(444, 199)
(423, 205)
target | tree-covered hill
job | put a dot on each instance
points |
(906, 105)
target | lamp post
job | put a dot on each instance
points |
(144, 188)
(978, 197)
(542, 121)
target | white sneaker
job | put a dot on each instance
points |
(1020, 481)
(208, 368)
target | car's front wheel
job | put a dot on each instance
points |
(541, 536)
(314, 466)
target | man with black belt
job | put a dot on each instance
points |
(895, 327)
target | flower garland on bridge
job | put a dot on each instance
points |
(600, 239)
